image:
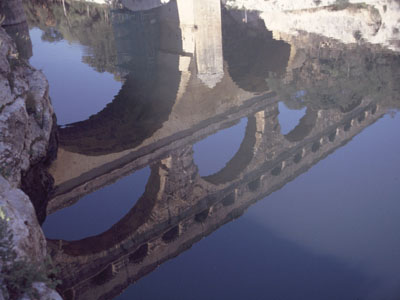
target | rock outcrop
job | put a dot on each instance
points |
(28, 241)
(26, 118)
(12, 12)
(27, 137)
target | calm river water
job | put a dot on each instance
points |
(201, 156)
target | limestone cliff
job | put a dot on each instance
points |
(26, 116)
(27, 125)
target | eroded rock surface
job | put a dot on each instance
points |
(18, 209)
(26, 114)
(27, 125)
(12, 11)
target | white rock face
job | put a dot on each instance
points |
(26, 114)
(28, 238)
(372, 21)
(44, 292)
(26, 122)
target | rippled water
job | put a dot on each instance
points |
(203, 157)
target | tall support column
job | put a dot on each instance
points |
(208, 37)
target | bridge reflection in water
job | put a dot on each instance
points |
(179, 207)
(194, 74)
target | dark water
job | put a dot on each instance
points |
(200, 158)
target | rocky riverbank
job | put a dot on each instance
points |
(27, 141)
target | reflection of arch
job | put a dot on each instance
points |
(251, 53)
(241, 159)
(304, 127)
(134, 115)
(186, 217)
(145, 100)
(137, 216)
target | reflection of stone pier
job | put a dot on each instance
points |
(197, 26)
(179, 207)
(191, 29)
(208, 36)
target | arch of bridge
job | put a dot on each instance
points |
(262, 135)
(134, 219)
(173, 215)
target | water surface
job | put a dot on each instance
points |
(206, 158)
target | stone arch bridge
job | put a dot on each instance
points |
(179, 207)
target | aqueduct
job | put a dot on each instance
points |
(191, 95)
(179, 207)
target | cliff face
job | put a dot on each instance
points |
(26, 118)
(27, 137)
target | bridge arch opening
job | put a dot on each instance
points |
(74, 98)
(298, 157)
(96, 212)
(316, 146)
(139, 254)
(148, 93)
(137, 111)
(202, 216)
(289, 118)
(243, 134)
(171, 235)
(304, 127)
(347, 126)
(374, 109)
(332, 136)
(361, 117)
(120, 231)
(104, 276)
